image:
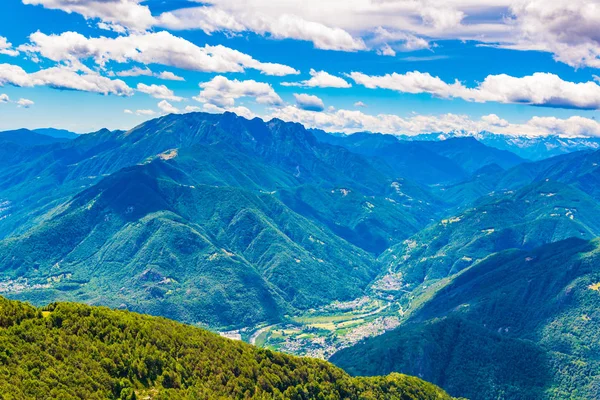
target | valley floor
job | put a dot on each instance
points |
(322, 332)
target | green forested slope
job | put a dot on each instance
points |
(517, 325)
(537, 214)
(72, 351)
(150, 239)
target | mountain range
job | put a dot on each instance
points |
(476, 260)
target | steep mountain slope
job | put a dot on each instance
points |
(540, 213)
(580, 169)
(519, 324)
(32, 184)
(153, 239)
(71, 351)
(481, 183)
(372, 223)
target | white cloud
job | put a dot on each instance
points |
(240, 110)
(145, 112)
(63, 78)
(128, 13)
(136, 71)
(223, 92)
(147, 48)
(540, 89)
(350, 121)
(169, 76)
(495, 120)
(402, 41)
(6, 47)
(158, 92)
(283, 26)
(4, 98)
(168, 108)
(112, 27)
(308, 102)
(360, 104)
(320, 79)
(408, 21)
(25, 103)
(566, 28)
(386, 50)
(190, 109)
(573, 126)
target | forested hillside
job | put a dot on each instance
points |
(71, 351)
(517, 325)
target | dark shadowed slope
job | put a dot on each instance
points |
(519, 324)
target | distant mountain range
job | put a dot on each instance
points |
(481, 250)
(532, 148)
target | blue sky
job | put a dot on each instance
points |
(508, 66)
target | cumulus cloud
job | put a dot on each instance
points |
(575, 126)
(158, 92)
(566, 28)
(360, 104)
(128, 13)
(494, 120)
(25, 103)
(386, 50)
(6, 47)
(168, 108)
(320, 79)
(337, 25)
(308, 102)
(169, 76)
(282, 26)
(137, 71)
(4, 98)
(222, 92)
(350, 121)
(401, 40)
(147, 48)
(144, 112)
(189, 109)
(239, 110)
(539, 89)
(63, 78)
